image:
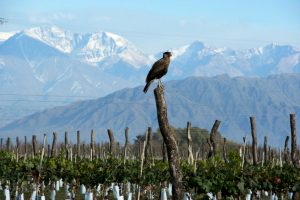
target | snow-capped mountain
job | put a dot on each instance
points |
(37, 62)
(51, 61)
(201, 60)
(91, 48)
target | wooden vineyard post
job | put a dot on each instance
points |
(34, 145)
(43, 150)
(141, 167)
(8, 144)
(67, 145)
(294, 147)
(224, 150)
(126, 144)
(148, 149)
(53, 150)
(214, 145)
(48, 150)
(213, 137)
(73, 155)
(265, 149)
(285, 151)
(190, 144)
(254, 140)
(164, 152)
(1, 144)
(244, 151)
(294, 139)
(82, 151)
(111, 142)
(17, 149)
(170, 141)
(210, 148)
(25, 147)
(78, 145)
(92, 144)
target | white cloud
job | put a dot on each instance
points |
(52, 18)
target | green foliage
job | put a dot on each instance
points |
(211, 175)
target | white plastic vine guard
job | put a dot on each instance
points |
(129, 196)
(163, 194)
(21, 196)
(88, 196)
(33, 195)
(169, 190)
(187, 196)
(6, 193)
(57, 186)
(82, 189)
(52, 195)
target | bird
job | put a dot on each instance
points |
(158, 70)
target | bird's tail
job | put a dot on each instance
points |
(147, 86)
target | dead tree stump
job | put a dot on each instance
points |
(254, 140)
(53, 149)
(213, 137)
(190, 143)
(170, 141)
(294, 139)
(126, 144)
(34, 145)
(112, 146)
(285, 154)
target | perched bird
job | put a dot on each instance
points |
(158, 70)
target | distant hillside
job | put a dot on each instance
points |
(200, 100)
(43, 67)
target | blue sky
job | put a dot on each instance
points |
(158, 25)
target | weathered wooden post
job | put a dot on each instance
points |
(164, 152)
(78, 145)
(266, 149)
(17, 148)
(43, 149)
(112, 145)
(34, 145)
(25, 147)
(213, 136)
(190, 143)
(224, 150)
(8, 144)
(98, 151)
(285, 151)
(53, 150)
(294, 139)
(82, 151)
(48, 150)
(1, 144)
(244, 151)
(254, 140)
(148, 148)
(126, 143)
(170, 141)
(67, 145)
(75, 149)
(92, 144)
(210, 148)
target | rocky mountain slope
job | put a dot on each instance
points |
(200, 100)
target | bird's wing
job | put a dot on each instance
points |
(157, 67)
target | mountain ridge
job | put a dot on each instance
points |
(59, 62)
(200, 100)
